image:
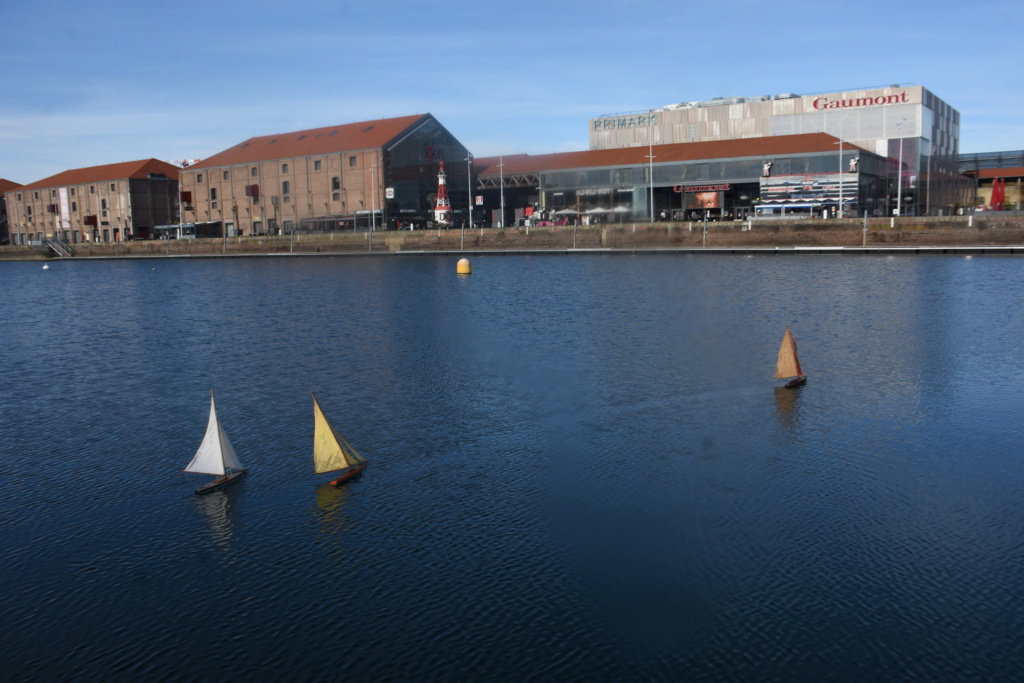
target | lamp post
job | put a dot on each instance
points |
(650, 162)
(469, 199)
(899, 168)
(501, 176)
(373, 204)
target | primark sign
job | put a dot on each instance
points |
(616, 122)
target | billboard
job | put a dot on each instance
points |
(818, 188)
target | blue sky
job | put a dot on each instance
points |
(117, 80)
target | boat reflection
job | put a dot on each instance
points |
(787, 409)
(330, 508)
(219, 510)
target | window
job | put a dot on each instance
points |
(72, 192)
(254, 172)
(199, 177)
(213, 194)
(92, 189)
(226, 175)
(351, 162)
(285, 187)
(316, 165)
(113, 187)
(335, 183)
(284, 168)
(74, 206)
(336, 196)
(28, 209)
(103, 204)
(288, 226)
(53, 193)
(36, 194)
(19, 196)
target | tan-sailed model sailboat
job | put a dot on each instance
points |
(216, 455)
(788, 364)
(331, 452)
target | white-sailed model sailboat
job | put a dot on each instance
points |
(788, 363)
(331, 452)
(216, 455)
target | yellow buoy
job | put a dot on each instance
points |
(464, 268)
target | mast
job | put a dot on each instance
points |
(443, 210)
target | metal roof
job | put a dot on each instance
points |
(760, 147)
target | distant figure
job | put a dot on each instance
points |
(766, 170)
(853, 164)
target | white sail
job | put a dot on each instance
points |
(215, 454)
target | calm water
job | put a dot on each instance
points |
(580, 469)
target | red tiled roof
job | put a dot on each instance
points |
(991, 173)
(327, 140)
(687, 151)
(99, 174)
(7, 185)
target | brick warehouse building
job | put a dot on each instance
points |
(371, 174)
(107, 203)
(5, 233)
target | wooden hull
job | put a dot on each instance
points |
(220, 482)
(348, 474)
(796, 382)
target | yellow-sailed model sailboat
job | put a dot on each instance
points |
(788, 364)
(331, 452)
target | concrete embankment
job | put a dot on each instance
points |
(908, 234)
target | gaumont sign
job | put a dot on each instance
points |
(637, 121)
(837, 103)
(701, 188)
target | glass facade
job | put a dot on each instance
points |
(725, 189)
(411, 167)
(925, 181)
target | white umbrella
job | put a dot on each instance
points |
(599, 210)
(566, 212)
(621, 209)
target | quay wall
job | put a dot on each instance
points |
(989, 230)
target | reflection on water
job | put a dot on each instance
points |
(581, 469)
(218, 508)
(330, 506)
(786, 408)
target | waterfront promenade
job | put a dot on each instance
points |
(1004, 233)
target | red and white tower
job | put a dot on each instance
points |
(443, 210)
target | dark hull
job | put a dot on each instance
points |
(796, 382)
(349, 474)
(220, 482)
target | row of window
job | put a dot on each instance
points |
(353, 161)
(71, 191)
(286, 189)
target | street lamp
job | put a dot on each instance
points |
(650, 162)
(469, 198)
(373, 205)
(501, 175)
(899, 167)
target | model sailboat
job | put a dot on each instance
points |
(331, 452)
(788, 364)
(216, 455)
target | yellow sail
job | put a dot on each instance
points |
(788, 364)
(330, 450)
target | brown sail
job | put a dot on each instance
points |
(788, 364)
